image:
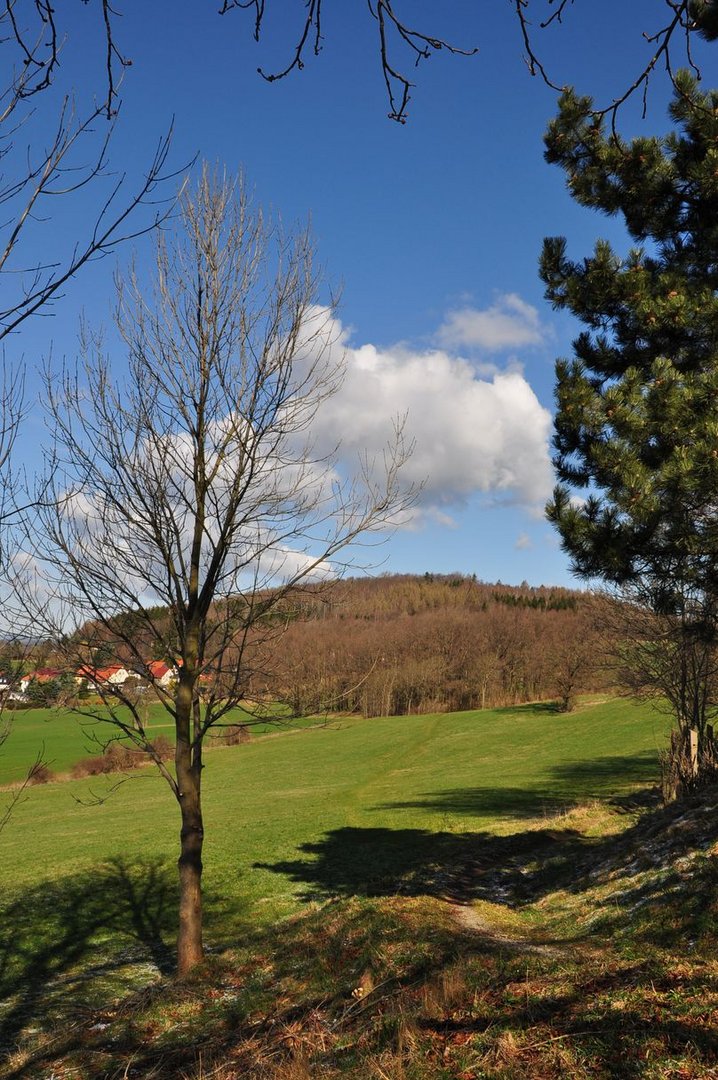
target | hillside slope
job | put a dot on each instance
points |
(452, 919)
(600, 961)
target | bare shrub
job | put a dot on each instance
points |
(40, 773)
(163, 748)
(89, 766)
(114, 758)
(120, 757)
(234, 735)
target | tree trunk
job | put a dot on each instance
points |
(189, 937)
(188, 766)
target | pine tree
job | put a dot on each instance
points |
(637, 417)
(637, 405)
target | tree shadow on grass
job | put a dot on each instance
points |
(602, 777)
(415, 862)
(569, 998)
(61, 939)
(663, 898)
(466, 866)
(566, 786)
(487, 802)
(531, 708)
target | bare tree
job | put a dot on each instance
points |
(670, 41)
(187, 486)
(669, 655)
(37, 169)
(574, 654)
(400, 45)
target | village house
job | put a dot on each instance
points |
(161, 673)
(41, 675)
(114, 675)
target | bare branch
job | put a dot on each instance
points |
(41, 285)
(686, 18)
(420, 45)
(39, 46)
(681, 25)
(37, 38)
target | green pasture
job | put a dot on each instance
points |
(63, 737)
(332, 809)
(357, 807)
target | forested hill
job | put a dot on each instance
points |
(401, 643)
(397, 644)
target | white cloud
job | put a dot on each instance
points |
(523, 542)
(476, 433)
(510, 323)
(277, 564)
(472, 434)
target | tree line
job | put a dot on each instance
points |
(390, 645)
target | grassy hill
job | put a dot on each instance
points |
(483, 894)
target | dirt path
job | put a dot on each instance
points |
(468, 918)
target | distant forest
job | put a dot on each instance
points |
(402, 644)
(399, 644)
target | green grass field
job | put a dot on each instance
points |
(63, 737)
(358, 811)
(60, 736)
(340, 800)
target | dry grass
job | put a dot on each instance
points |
(396, 989)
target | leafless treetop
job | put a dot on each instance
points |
(35, 27)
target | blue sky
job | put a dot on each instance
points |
(430, 230)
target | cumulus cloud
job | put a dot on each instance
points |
(472, 434)
(510, 323)
(476, 433)
(523, 542)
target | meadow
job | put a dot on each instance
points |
(63, 737)
(403, 835)
(292, 790)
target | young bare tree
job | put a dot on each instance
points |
(185, 488)
(669, 657)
